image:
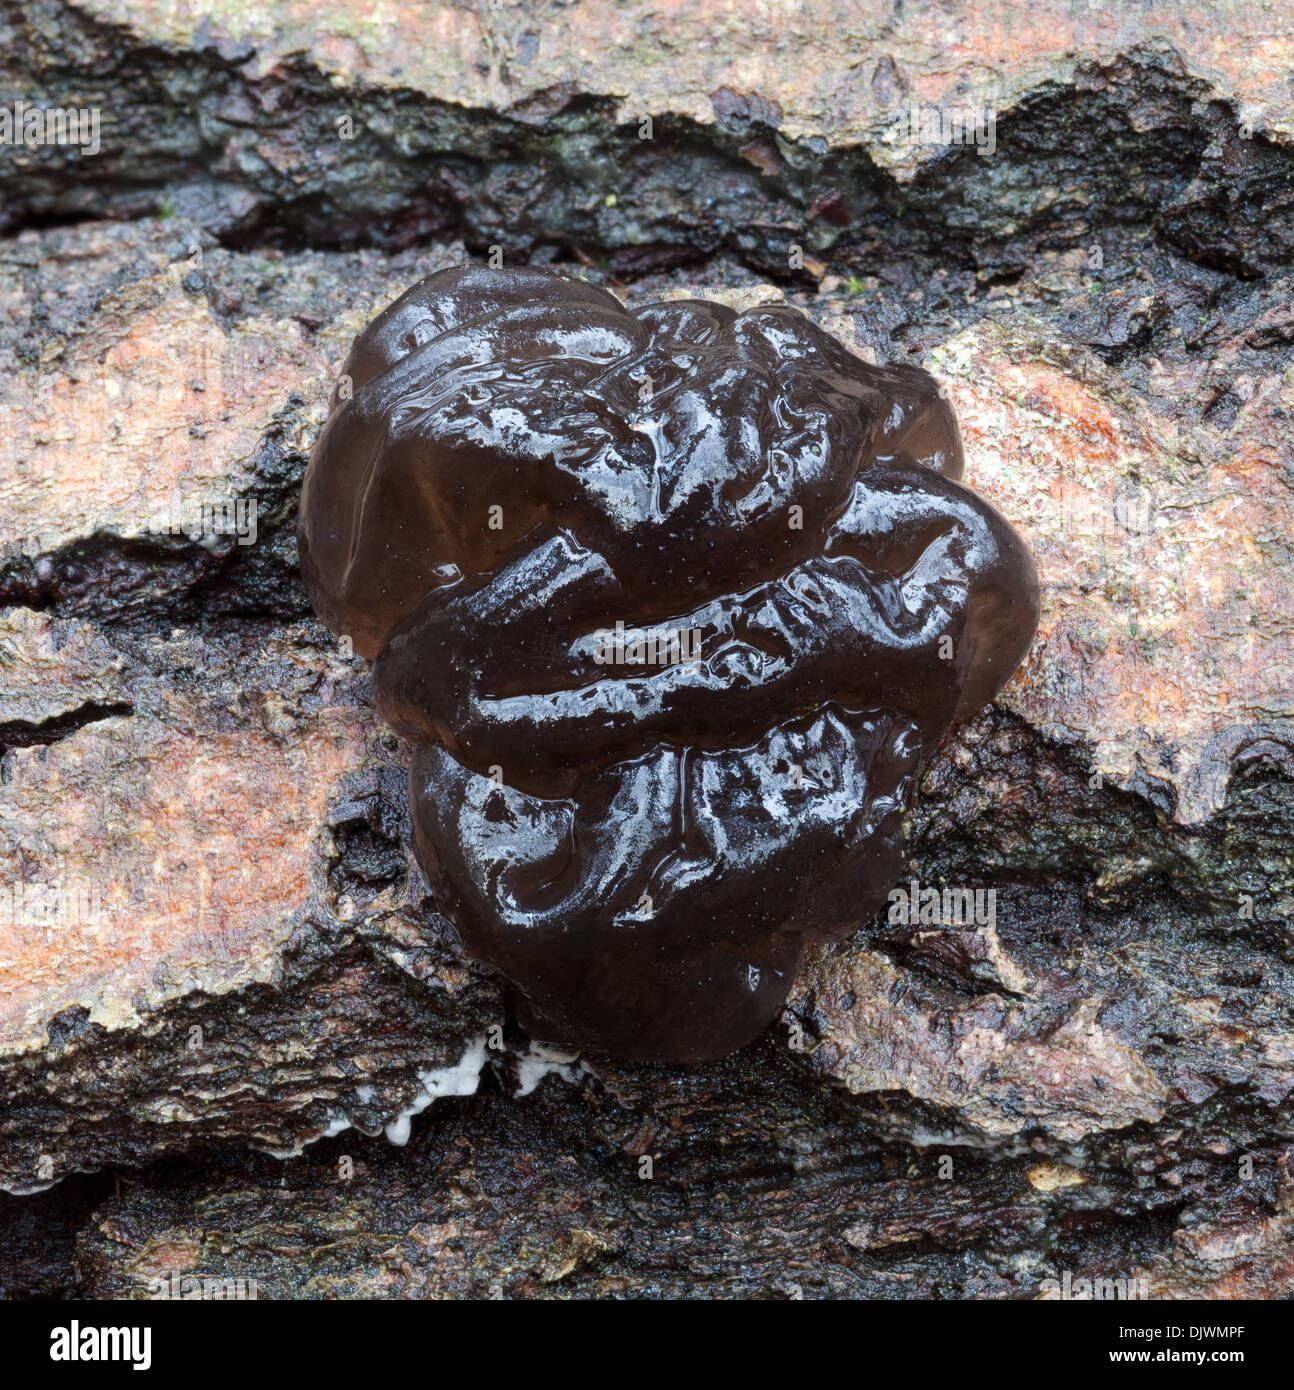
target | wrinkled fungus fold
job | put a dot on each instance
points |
(673, 603)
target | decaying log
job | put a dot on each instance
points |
(223, 987)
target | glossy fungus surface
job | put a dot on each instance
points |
(673, 603)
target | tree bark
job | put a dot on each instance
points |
(214, 943)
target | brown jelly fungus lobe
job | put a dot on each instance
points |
(672, 602)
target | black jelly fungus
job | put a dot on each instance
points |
(673, 602)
